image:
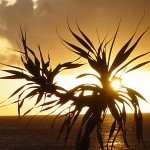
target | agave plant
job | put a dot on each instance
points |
(103, 97)
(40, 77)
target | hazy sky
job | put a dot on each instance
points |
(41, 17)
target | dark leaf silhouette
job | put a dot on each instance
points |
(105, 97)
(39, 75)
(40, 85)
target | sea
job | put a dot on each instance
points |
(37, 133)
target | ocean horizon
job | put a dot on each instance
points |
(39, 135)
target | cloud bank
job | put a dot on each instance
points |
(41, 18)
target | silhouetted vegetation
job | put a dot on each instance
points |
(104, 97)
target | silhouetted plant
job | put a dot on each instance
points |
(104, 97)
(41, 82)
(40, 77)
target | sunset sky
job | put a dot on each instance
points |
(40, 19)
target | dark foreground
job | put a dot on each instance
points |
(39, 135)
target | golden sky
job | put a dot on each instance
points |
(41, 17)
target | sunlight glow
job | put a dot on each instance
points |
(9, 2)
(4, 44)
(139, 81)
(35, 4)
(12, 2)
(70, 81)
(116, 84)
